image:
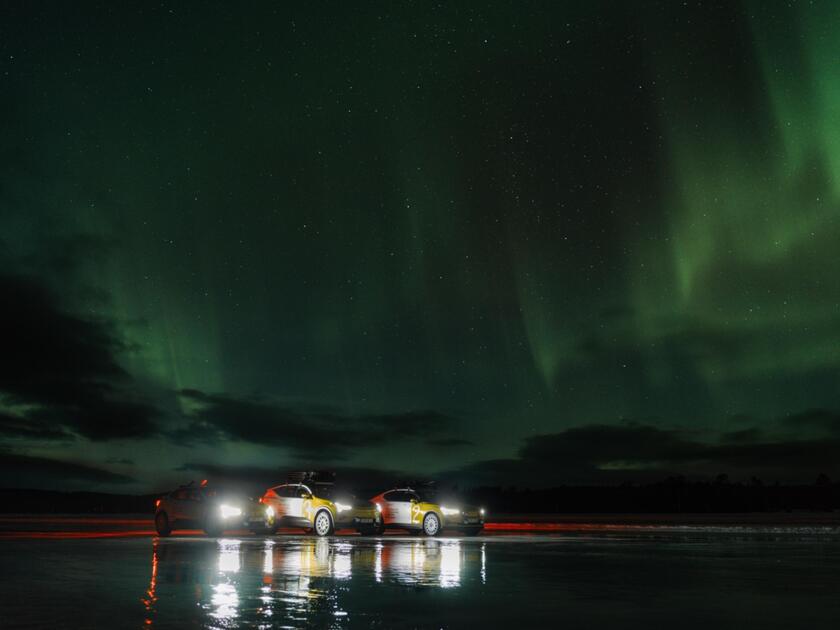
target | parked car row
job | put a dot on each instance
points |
(314, 504)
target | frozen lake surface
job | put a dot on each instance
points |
(653, 579)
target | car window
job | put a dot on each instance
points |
(398, 496)
(412, 495)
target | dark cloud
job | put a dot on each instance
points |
(62, 370)
(643, 452)
(21, 427)
(821, 421)
(306, 431)
(449, 442)
(24, 471)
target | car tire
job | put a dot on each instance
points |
(431, 524)
(323, 524)
(162, 525)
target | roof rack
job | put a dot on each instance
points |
(417, 484)
(311, 476)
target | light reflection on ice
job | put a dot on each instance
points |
(450, 565)
(225, 601)
(342, 565)
(229, 556)
(377, 563)
(295, 580)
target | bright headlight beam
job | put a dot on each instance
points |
(447, 511)
(229, 510)
(342, 507)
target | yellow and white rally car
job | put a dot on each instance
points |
(405, 508)
(320, 507)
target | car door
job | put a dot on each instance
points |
(195, 505)
(176, 505)
(306, 496)
(398, 508)
(414, 516)
(279, 499)
(293, 501)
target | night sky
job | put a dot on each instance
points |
(513, 242)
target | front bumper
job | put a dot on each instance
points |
(465, 520)
(358, 518)
(257, 517)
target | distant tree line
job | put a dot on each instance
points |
(16, 501)
(672, 495)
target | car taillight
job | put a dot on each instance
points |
(261, 500)
(157, 503)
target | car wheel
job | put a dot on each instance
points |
(431, 524)
(323, 525)
(162, 524)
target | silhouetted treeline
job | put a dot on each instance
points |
(673, 495)
(55, 502)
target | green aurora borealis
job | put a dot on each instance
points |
(454, 227)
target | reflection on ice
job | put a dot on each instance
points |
(450, 565)
(229, 556)
(424, 563)
(225, 601)
(293, 581)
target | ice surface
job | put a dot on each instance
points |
(686, 579)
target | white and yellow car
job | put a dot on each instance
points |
(321, 508)
(404, 508)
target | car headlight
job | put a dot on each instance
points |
(228, 511)
(378, 507)
(447, 511)
(342, 507)
(269, 511)
(481, 511)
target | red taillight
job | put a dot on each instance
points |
(157, 503)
